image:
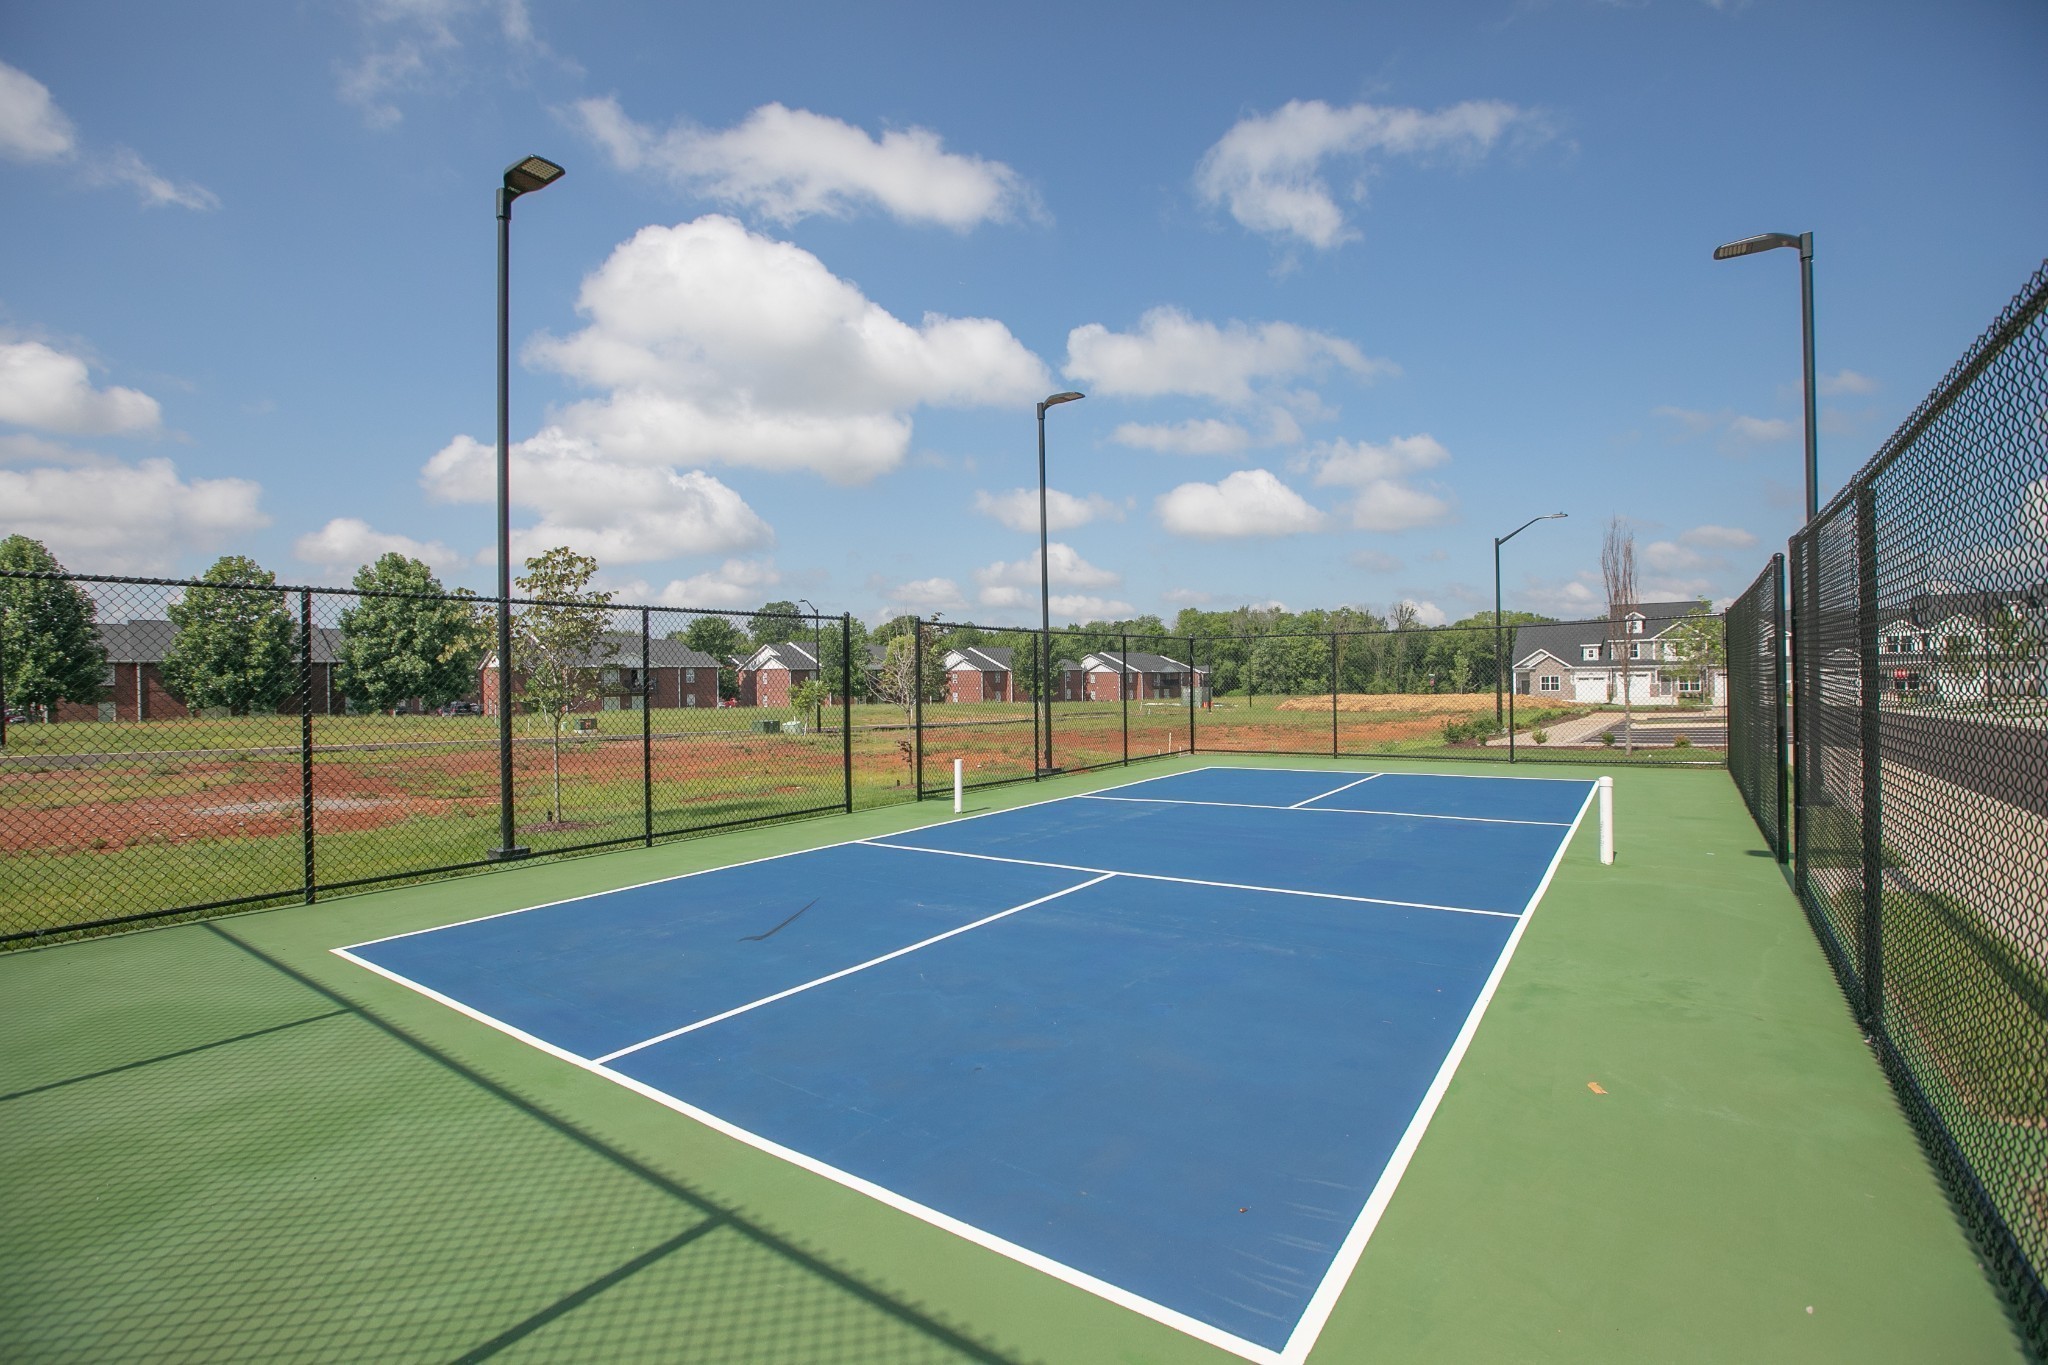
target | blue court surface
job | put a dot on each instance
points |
(1172, 1042)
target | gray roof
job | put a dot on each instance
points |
(1566, 640)
(1137, 661)
(147, 641)
(791, 655)
(987, 658)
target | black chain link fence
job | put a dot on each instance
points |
(1920, 660)
(1757, 701)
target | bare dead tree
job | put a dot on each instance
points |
(1618, 568)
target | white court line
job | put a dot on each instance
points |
(849, 971)
(1391, 758)
(1322, 810)
(1325, 1298)
(1333, 791)
(1187, 881)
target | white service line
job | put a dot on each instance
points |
(1191, 881)
(1323, 810)
(1334, 790)
(847, 971)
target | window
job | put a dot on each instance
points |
(1635, 649)
(1589, 654)
(1690, 687)
(1635, 625)
(1550, 682)
(689, 698)
(689, 675)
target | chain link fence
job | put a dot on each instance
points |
(1920, 771)
(1757, 701)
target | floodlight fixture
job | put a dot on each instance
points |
(532, 173)
(1771, 241)
(1763, 241)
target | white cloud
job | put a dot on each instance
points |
(1251, 502)
(1718, 538)
(45, 388)
(1172, 353)
(1575, 599)
(1846, 382)
(720, 345)
(735, 583)
(418, 45)
(32, 127)
(1425, 613)
(1386, 499)
(924, 596)
(1195, 436)
(1735, 429)
(1086, 607)
(1664, 556)
(119, 518)
(787, 164)
(346, 543)
(614, 512)
(1008, 583)
(1017, 508)
(1268, 169)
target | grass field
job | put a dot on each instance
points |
(226, 1143)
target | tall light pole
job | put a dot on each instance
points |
(1045, 576)
(1500, 662)
(521, 177)
(1770, 241)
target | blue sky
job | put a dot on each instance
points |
(1351, 288)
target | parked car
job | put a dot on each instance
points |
(462, 708)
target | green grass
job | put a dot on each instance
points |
(226, 1143)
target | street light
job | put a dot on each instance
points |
(1771, 241)
(1045, 575)
(521, 177)
(817, 656)
(1499, 660)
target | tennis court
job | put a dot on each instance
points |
(1171, 1042)
(1126, 1075)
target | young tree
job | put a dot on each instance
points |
(899, 680)
(831, 653)
(49, 640)
(811, 696)
(1618, 571)
(396, 648)
(558, 643)
(777, 623)
(723, 641)
(1699, 646)
(236, 647)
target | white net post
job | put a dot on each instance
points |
(959, 786)
(1606, 785)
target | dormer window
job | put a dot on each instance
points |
(1589, 654)
(1635, 624)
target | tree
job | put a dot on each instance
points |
(49, 637)
(811, 696)
(899, 680)
(1698, 646)
(1618, 572)
(723, 641)
(237, 646)
(396, 648)
(558, 642)
(830, 655)
(777, 623)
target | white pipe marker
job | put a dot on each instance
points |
(958, 788)
(1606, 785)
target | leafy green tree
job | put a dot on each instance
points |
(1294, 664)
(1698, 644)
(723, 641)
(833, 649)
(49, 640)
(558, 643)
(899, 681)
(777, 623)
(396, 648)
(236, 647)
(811, 696)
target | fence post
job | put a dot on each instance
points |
(1194, 681)
(1037, 701)
(846, 705)
(306, 736)
(1804, 689)
(1333, 694)
(1511, 715)
(647, 726)
(1123, 693)
(1779, 700)
(1871, 800)
(917, 706)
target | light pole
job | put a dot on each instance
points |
(1499, 660)
(1045, 576)
(521, 177)
(817, 656)
(1770, 241)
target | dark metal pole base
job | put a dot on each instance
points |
(508, 855)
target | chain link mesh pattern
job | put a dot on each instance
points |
(1757, 701)
(1920, 633)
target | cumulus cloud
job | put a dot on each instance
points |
(1072, 606)
(786, 164)
(615, 512)
(1251, 502)
(924, 596)
(1846, 382)
(1424, 613)
(418, 45)
(50, 390)
(1195, 436)
(1268, 169)
(719, 345)
(733, 584)
(1387, 498)
(112, 517)
(1735, 430)
(1718, 538)
(1017, 508)
(1016, 582)
(1172, 353)
(346, 543)
(32, 127)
